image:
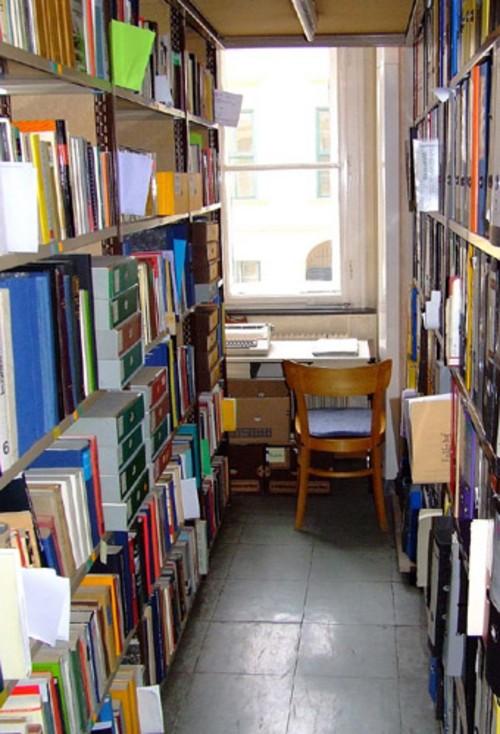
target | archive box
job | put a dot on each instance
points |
(262, 411)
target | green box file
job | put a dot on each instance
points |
(111, 418)
(116, 487)
(112, 312)
(116, 373)
(119, 515)
(111, 275)
(113, 458)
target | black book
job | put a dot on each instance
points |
(64, 176)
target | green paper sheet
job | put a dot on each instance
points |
(130, 50)
(206, 464)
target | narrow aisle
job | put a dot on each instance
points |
(311, 632)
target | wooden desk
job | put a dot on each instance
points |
(270, 364)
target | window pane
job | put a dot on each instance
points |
(288, 234)
(283, 89)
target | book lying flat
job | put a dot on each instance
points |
(335, 346)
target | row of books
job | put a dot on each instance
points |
(200, 86)
(74, 190)
(144, 579)
(86, 330)
(450, 33)
(168, 251)
(468, 282)
(204, 159)
(467, 164)
(70, 33)
(47, 346)
(163, 79)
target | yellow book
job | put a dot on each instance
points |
(112, 581)
(129, 674)
(121, 691)
(99, 598)
(42, 200)
(485, 20)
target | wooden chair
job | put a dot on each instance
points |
(345, 432)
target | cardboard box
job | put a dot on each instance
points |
(281, 471)
(207, 379)
(287, 486)
(200, 233)
(195, 191)
(430, 438)
(262, 411)
(205, 271)
(172, 193)
(246, 469)
(205, 319)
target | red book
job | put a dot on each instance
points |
(156, 537)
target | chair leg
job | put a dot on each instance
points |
(378, 488)
(304, 459)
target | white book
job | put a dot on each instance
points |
(14, 641)
(480, 562)
(74, 496)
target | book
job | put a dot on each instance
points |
(37, 409)
(76, 453)
(14, 641)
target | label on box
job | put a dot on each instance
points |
(177, 185)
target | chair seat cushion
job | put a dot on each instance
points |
(332, 422)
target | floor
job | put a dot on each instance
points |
(311, 632)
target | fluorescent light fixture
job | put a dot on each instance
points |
(306, 12)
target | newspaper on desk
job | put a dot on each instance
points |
(336, 346)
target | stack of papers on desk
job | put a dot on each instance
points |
(336, 347)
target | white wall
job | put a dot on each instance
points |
(389, 185)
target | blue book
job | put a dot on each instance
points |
(160, 356)
(414, 506)
(49, 550)
(121, 538)
(70, 453)
(456, 12)
(106, 714)
(34, 360)
(159, 631)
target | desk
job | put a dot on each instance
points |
(300, 350)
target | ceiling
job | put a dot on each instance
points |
(340, 22)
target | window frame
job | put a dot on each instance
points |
(355, 113)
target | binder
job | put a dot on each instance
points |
(439, 580)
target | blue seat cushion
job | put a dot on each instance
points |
(332, 422)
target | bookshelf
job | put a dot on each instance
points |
(138, 558)
(455, 252)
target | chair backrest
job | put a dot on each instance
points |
(370, 380)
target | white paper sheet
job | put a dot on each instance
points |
(190, 501)
(18, 208)
(134, 175)
(48, 598)
(227, 107)
(150, 710)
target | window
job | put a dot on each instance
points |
(323, 148)
(297, 186)
(248, 271)
(241, 146)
